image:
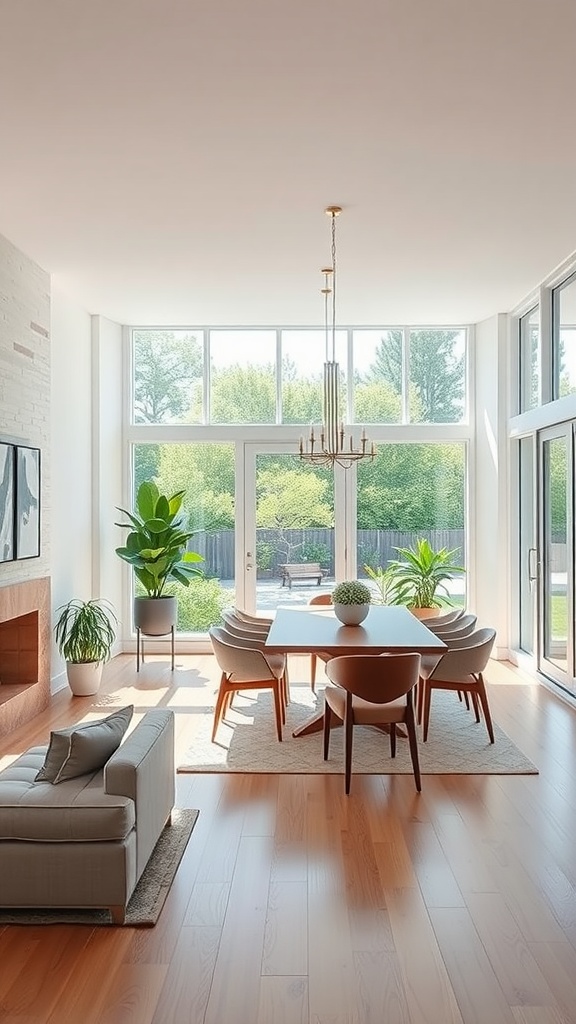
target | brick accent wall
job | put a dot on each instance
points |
(25, 381)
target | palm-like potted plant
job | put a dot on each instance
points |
(351, 600)
(156, 548)
(418, 577)
(84, 633)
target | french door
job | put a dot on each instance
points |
(556, 583)
(290, 513)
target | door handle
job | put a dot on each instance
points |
(533, 566)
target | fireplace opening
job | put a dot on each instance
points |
(18, 653)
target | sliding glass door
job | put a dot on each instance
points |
(556, 535)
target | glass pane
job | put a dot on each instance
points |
(294, 526)
(378, 368)
(527, 550)
(242, 376)
(564, 306)
(206, 473)
(303, 358)
(412, 491)
(168, 370)
(555, 551)
(530, 360)
(437, 376)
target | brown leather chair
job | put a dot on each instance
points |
(372, 690)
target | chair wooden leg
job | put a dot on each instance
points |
(279, 709)
(393, 739)
(419, 699)
(411, 730)
(485, 708)
(286, 678)
(474, 697)
(313, 672)
(348, 730)
(426, 709)
(219, 709)
(327, 726)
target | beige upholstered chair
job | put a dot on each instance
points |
(463, 626)
(447, 618)
(461, 668)
(244, 630)
(372, 690)
(318, 599)
(257, 620)
(245, 667)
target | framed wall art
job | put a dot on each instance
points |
(27, 517)
(7, 506)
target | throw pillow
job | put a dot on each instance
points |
(81, 749)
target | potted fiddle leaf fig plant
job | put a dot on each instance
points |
(156, 548)
(351, 600)
(84, 633)
(418, 577)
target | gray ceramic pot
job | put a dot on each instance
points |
(155, 616)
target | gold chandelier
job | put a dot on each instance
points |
(333, 446)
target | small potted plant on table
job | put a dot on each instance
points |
(351, 600)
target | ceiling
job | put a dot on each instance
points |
(169, 161)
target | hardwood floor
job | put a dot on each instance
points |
(296, 904)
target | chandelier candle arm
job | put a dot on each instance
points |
(332, 447)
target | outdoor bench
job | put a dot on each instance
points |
(301, 571)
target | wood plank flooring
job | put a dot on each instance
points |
(295, 904)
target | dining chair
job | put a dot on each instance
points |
(251, 628)
(428, 662)
(257, 620)
(461, 668)
(243, 631)
(318, 599)
(445, 620)
(460, 627)
(244, 667)
(372, 690)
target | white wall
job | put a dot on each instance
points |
(72, 531)
(489, 528)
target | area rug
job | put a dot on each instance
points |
(149, 895)
(246, 742)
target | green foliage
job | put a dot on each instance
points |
(201, 605)
(351, 592)
(382, 580)
(436, 373)
(243, 394)
(156, 544)
(85, 630)
(292, 499)
(316, 551)
(205, 471)
(391, 488)
(166, 368)
(264, 554)
(419, 574)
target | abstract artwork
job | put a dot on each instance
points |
(6, 502)
(27, 502)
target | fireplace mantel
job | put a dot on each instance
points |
(24, 652)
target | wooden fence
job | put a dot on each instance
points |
(375, 548)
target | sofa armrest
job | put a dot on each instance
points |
(143, 769)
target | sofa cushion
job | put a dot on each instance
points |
(75, 811)
(80, 749)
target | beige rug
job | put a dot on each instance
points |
(149, 895)
(247, 742)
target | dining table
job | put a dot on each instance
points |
(387, 629)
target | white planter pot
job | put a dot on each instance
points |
(84, 679)
(351, 614)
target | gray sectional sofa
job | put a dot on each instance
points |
(85, 841)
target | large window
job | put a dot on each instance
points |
(564, 337)
(266, 376)
(530, 360)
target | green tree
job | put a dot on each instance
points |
(166, 369)
(206, 473)
(292, 499)
(243, 394)
(437, 372)
(412, 487)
